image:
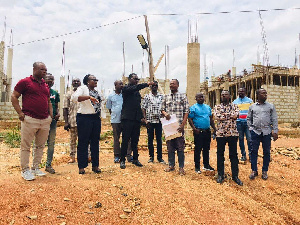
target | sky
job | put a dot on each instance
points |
(99, 51)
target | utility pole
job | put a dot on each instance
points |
(151, 68)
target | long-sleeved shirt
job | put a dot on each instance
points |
(131, 109)
(114, 103)
(226, 126)
(262, 118)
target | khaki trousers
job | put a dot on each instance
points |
(37, 129)
(73, 140)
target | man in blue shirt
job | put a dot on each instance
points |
(200, 119)
(114, 105)
(243, 102)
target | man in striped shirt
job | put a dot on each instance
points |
(243, 102)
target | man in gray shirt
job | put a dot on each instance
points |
(263, 124)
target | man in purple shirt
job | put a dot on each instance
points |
(35, 115)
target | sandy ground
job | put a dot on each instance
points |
(148, 195)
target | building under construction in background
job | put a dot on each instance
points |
(281, 83)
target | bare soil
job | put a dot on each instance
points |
(148, 195)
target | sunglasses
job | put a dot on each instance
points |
(94, 80)
(136, 78)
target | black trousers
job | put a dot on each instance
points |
(202, 143)
(157, 127)
(233, 156)
(89, 128)
(131, 130)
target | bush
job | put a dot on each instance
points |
(13, 137)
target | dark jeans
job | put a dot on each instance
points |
(243, 130)
(202, 143)
(233, 156)
(131, 131)
(173, 145)
(266, 144)
(51, 142)
(89, 128)
(158, 133)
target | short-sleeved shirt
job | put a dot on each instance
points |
(200, 114)
(152, 104)
(243, 104)
(72, 108)
(176, 104)
(54, 98)
(35, 97)
(226, 128)
(85, 107)
(114, 103)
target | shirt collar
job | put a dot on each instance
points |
(35, 80)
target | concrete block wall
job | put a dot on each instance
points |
(7, 111)
(286, 100)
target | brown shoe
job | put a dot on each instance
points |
(181, 172)
(253, 175)
(71, 160)
(264, 175)
(169, 169)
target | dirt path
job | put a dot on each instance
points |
(148, 195)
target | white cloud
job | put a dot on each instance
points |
(99, 51)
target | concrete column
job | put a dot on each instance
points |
(233, 72)
(62, 96)
(218, 96)
(9, 74)
(193, 71)
(2, 48)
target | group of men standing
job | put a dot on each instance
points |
(40, 113)
(234, 120)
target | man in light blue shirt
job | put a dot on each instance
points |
(243, 102)
(200, 119)
(114, 105)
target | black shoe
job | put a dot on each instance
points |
(197, 170)
(96, 170)
(243, 158)
(129, 158)
(237, 180)
(253, 175)
(264, 175)
(208, 168)
(151, 160)
(161, 161)
(220, 179)
(137, 163)
(81, 171)
(122, 165)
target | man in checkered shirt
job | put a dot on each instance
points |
(176, 103)
(151, 108)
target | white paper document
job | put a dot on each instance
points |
(170, 127)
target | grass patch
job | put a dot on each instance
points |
(13, 137)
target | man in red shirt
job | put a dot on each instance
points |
(35, 115)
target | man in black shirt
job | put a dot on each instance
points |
(131, 117)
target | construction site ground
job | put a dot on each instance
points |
(148, 195)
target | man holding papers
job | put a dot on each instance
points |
(175, 104)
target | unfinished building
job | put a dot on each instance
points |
(281, 83)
